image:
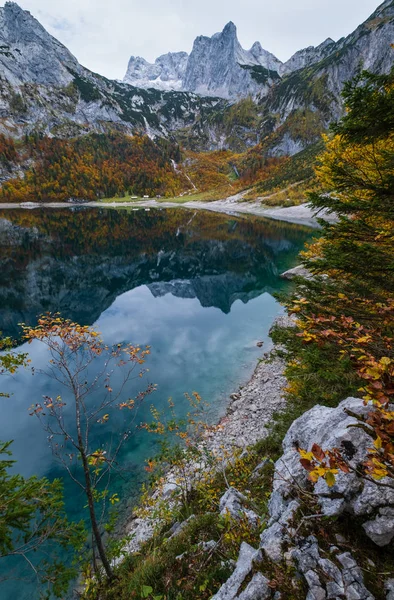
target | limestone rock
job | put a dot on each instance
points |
(389, 588)
(331, 428)
(166, 73)
(299, 271)
(307, 57)
(230, 588)
(219, 66)
(381, 529)
(257, 589)
(233, 503)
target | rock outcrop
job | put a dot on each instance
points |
(219, 66)
(166, 73)
(336, 574)
(307, 57)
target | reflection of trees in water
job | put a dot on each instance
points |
(78, 261)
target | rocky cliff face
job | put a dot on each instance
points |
(44, 88)
(219, 66)
(166, 73)
(307, 57)
(29, 54)
(318, 85)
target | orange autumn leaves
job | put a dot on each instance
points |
(93, 167)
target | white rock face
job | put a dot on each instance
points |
(219, 66)
(307, 56)
(28, 53)
(166, 73)
(333, 428)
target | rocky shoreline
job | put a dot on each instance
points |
(316, 559)
(246, 421)
(252, 407)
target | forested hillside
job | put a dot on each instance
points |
(90, 168)
(96, 166)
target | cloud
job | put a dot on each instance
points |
(103, 35)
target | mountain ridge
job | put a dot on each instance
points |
(144, 74)
(45, 90)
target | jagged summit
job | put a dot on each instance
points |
(229, 30)
(217, 66)
(166, 73)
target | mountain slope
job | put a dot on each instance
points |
(318, 86)
(44, 89)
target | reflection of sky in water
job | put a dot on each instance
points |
(202, 335)
(193, 349)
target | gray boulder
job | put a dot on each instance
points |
(247, 557)
(258, 589)
(299, 271)
(381, 529)
(233, 503)
(389, 588)
(333, 428)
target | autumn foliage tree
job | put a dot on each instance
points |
(84, 368)
(92, 167)
(345, 314)
(33, 522)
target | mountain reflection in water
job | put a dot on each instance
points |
(77, 261)
(195, 286)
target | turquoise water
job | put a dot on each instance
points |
(195, 286)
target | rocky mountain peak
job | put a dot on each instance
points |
(257, 49)
(166, 73)
(28, 53)
(219, 66)
(230, 30)
(327, 42)
(308, 56)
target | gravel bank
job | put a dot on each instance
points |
(246, 421)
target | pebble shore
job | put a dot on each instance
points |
(246, 421)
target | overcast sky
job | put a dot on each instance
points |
(103, 34)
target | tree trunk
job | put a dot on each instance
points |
(88, 487)
(95, 528)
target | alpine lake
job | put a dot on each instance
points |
(196, 286)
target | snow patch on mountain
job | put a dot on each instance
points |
(166, 73)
